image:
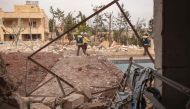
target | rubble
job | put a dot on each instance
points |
(72, 101)
(94, 105)
(17, 65)
(38, 106)
(104, 44)
(88, 74)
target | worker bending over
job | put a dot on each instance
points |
(82, 42)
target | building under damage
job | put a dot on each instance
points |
(26, 22)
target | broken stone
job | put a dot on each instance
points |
(104, 44)
(94, 105)
(72, 101)
(38, 106)
(87, 94)
(49, 101)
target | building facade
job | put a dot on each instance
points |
(27, 22)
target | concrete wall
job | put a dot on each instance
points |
(27, 8)
(176, 50)
(172, 29)
(157, 37)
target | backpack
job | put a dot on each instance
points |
(79, 40)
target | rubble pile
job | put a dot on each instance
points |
(102, 48)
(90, 75)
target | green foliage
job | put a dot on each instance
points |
(150, 26)
(121, 27)
(69, 22)
(51, 23)
(104, 25)
(83, 27)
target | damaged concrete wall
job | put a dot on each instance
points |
(157, 37)
(176, 50)
(171, 32)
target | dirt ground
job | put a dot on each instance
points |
(17, 66)
(94, 72)
(90, 72)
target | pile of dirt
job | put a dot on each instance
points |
(18, 65)
(94, 73)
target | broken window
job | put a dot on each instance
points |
(28, 37)
(9, 37)
(33, 23)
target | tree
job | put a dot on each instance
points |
(121, 26)
(99, 22)
(150, 26)
(69, 22)
(65, 22)
(59, 15)
(51, 24)
(83, 27)
(109, 19)
(140, 27)
(16, 29)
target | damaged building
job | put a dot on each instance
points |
(27, 21)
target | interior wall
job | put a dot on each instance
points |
(175, 50)
(157, 37)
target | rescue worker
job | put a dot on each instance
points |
(146, 42)
(85, 42)
(80, 43)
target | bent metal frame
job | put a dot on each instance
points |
(174, 84)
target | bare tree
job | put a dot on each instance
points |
(120, 26)
(99, 21)
(16, 29)
(109, 20)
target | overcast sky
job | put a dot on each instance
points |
(136, 8)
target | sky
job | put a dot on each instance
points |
(137, 8)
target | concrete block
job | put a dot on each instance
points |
(39, 106)
(73, 101)
(87, 94)
(95, 105)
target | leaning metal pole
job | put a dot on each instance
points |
(83, 21)
(134, 30)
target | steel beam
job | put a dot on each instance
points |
(49, 71)
(28, 94)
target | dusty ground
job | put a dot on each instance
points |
(17, 67)
(94, 72)
(82, 72)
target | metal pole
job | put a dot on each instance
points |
(61, 87)
(177, 86)
(51, 72)
(40, 86)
